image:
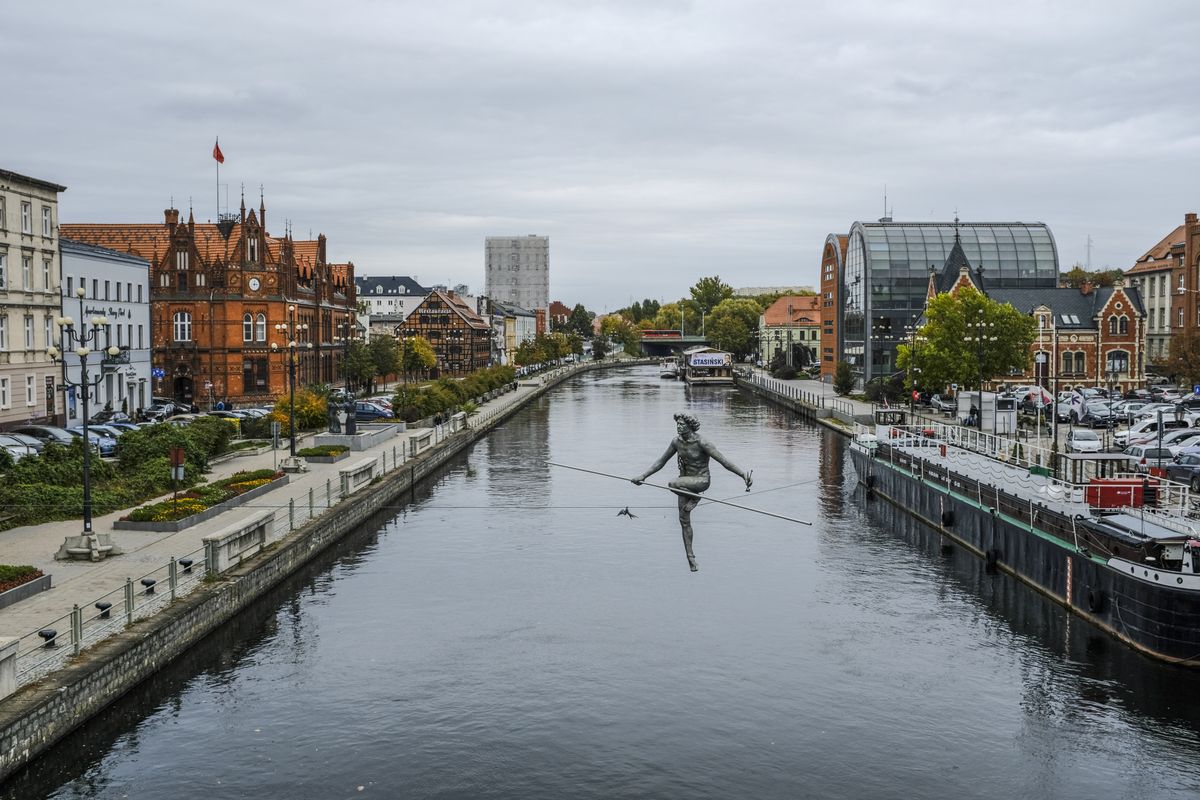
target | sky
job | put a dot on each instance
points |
(654, 141)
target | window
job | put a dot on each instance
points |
(181, 260)
(247, 328)
(118, 291)
(30, 390)
(252, 249)
(95, 288)
(106, 288)
(1080, 365)
(46, 275)
(1123, 325)
(1117, 361)
(3, 332)
(141, 341)
(46, 228)
(139, 293)
(1112, 324)
(28, 332)
(70, 286)
(3, 217)
(26, 218)
(119, 342)
(27, 272)
(254, 375)
(183, 326)
(3, 270)
(4, 399)
(49, 330)
(260, 326)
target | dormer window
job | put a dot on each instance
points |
(181, 259)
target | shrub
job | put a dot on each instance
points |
(311, 412)
(13, 576)
(211, 435)
(785, 372)
(6, 459)
(843, 378)
(324, 450)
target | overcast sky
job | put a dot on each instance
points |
(653, 141)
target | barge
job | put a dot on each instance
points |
(1122, 552)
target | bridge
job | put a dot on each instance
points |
(668, 342)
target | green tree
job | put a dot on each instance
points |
(733, 325)
(967, 338)
(667, 318)
(385, 357)
(618, 327)
(843, 378)
(357, 364)
(580, 321)
(599, 347)
(710, 292)
(1077, 275)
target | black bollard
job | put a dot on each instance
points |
(149, 584)
(186, 563)
(49, 635)
(104, 606)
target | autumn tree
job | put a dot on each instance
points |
(1183, 359)
(416, 356)
(733, 326)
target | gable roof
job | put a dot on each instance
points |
(1071, 308)
(793, 310)
(381, 286)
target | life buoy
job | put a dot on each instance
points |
(1095, 601)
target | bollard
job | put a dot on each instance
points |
(48, 635)
(291, 513)
(394, 462)
(187, 565)
(328, 494)
(76, 629)
(129, 601)
(104, 606)
(149, 584)
(310, 503)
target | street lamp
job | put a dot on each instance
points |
(346, 337)
(78, 341)
(292, 330)
(983, 334)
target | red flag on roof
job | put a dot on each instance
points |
(217, 154)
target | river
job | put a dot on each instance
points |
(506, 634)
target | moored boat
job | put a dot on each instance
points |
(668, 369)
(1122, 552)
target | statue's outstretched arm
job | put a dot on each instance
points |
(727, 464)
(657, 465)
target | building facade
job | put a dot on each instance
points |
(217, 293)
(1155, 276)
(393, 296)
(512, 326)
(833, 256)
(30, 299)
(517, 271)
(460, 337)
(116, 286)
(886, 275)
(791, 325)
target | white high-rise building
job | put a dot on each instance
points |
(517, 270)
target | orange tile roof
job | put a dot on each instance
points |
(1154, 259)
(151, 241)
(805, 309)
(465, 311)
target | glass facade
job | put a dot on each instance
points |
(886, 277)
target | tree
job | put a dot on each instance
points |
(357, 365)
(710, 292)
(1077, 275)
(416, 356)
(733, 326)
(385, 356)
(667, 318)
(599, 348)
(618, 327)
(952, 348)
(580, 321)
(843, 378)
(1183, 359)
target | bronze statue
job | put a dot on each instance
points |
(692, 452)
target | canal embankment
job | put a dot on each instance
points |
(151, 621)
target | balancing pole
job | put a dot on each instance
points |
(683, 492)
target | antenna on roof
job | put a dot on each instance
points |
(1089, 252)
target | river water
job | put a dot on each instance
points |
(506, 634)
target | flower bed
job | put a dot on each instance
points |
(325, 453)
(19, 582)
(202, 502)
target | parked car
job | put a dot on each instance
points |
(34, 442)
(17, 448)
(49, 434)
(104, 417)
(1097, 415)
(105, 445)
(1146, 430)
(943, 403)
(124, 427)
(1144, 457)
(1152, 409)
(1139, 394)
(161, 409)
(1180, 440)
(1186, 469)
(364, 411)
(186, 418)
(107, 430)
(1083, 440)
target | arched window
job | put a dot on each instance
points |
(1123, 326)
(247, 328)
(1112, 324)
(260, 327)
(183, 326)
(1117, 361)
(1080, 366)
(1068, 362)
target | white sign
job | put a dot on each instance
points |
(709, 359)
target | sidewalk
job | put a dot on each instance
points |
(83, 582)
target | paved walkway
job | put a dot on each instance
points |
(83, 582)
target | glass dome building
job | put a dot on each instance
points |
(885, 277)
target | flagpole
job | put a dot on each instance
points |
(218, 217)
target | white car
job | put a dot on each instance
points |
(1083, 440)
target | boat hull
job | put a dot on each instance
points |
(1157, 612)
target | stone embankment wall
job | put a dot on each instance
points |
(34, 718)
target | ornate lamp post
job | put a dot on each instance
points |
(981, 333)
(81, 342)
(346, 338)
(293, 330)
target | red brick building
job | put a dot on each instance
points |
(217, 291)
(832, 258)
(461, 339)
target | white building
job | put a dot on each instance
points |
(29, 299)
(517, 271)
(392, 296)
(512, 326)
(116, 286)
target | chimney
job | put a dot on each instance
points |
(1085, 288)
(171, 217)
